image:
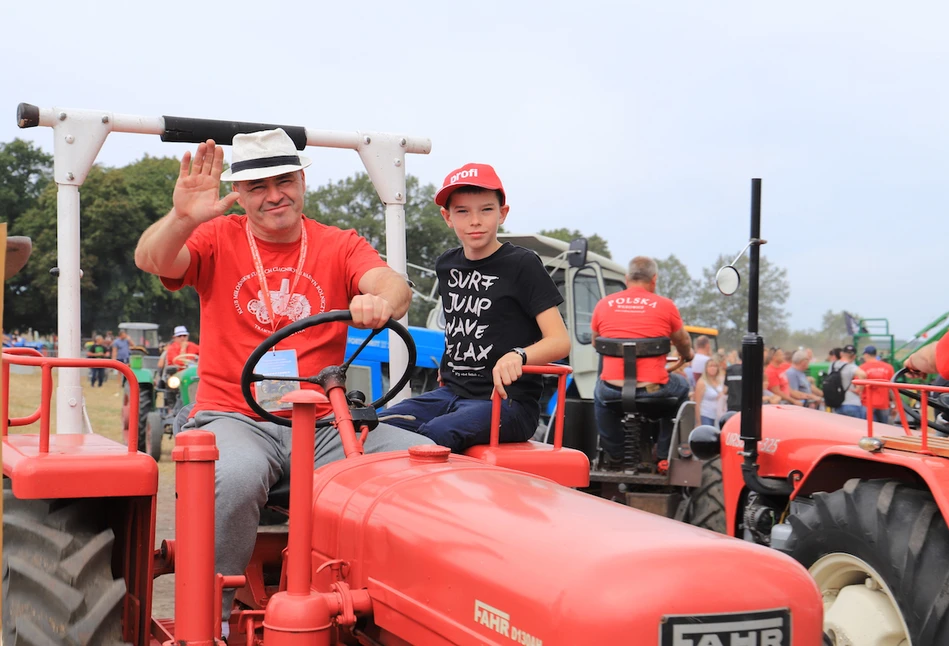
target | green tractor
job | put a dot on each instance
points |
(876, 332)
(176, 385)
(143, 360)
(162, 392)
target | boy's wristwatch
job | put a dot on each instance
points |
(522, 354)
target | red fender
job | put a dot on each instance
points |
(823, 448)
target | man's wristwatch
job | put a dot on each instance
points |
(522, 353)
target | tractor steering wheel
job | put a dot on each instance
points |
(939, 402)
(248, 375)
(185, 359)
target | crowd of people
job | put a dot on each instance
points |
(715, 381)
(106, 346)
(119, 347)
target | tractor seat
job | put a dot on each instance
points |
(657, 407)
(279, 494)
(564, 466)
(629, 350)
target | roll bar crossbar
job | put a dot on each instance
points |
(78, 136)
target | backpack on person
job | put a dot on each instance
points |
(833, 387)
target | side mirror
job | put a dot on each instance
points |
(728, 280)
(577, 256)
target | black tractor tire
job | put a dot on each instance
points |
(58, 586)
(145, 407)
(706, 506)
(154, 431)
(897, 530)
(125, 411)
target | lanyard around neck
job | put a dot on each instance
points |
(259, 267)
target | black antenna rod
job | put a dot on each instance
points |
(752, 352)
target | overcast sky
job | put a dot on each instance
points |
(642, 122)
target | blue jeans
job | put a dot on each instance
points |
(708, 421)
(851, 410)
(96, 376)
(881, 415)
(607, 407)
(460, 423)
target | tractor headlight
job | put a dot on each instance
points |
(174, 382)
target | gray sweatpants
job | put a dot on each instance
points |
(254, 455)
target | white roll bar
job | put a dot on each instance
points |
(78, 136)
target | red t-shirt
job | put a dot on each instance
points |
(880, 371)
(636, 313)
(234, 318)
(174, 349)
(777, 380)
(942, 356)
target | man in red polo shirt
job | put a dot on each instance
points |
(776, 373)
(637, 313)
(878, 397)
(180, 345)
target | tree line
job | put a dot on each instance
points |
(118, 204)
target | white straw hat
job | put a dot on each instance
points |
(263, 154)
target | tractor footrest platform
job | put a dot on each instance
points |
(77, 466)
(914, 444)
(568, 467)
(622, 477)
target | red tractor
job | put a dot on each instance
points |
(410, 547)
(862, 505)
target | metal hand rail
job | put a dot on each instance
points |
(925, 389)
(31, 357)
(549, 369)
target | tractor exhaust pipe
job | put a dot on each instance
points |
(752, 376)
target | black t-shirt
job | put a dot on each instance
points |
(96, 351)
(733, 381)
(491, 306)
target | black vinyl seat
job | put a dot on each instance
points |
(279, 494)
(643, 415)
(656, 407)
(629, 350)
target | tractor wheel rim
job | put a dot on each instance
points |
(840, 578)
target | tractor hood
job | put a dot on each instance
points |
(489, 555)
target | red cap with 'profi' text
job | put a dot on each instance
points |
(480, 175)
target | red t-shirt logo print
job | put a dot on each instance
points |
(293, 306)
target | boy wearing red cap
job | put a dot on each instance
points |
(500, 313)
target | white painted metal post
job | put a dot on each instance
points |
(69, 392)
(395, 256)
(78, 136)
(383, 155)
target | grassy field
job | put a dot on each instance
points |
(103, 405)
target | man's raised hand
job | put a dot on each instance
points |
(197, 191)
